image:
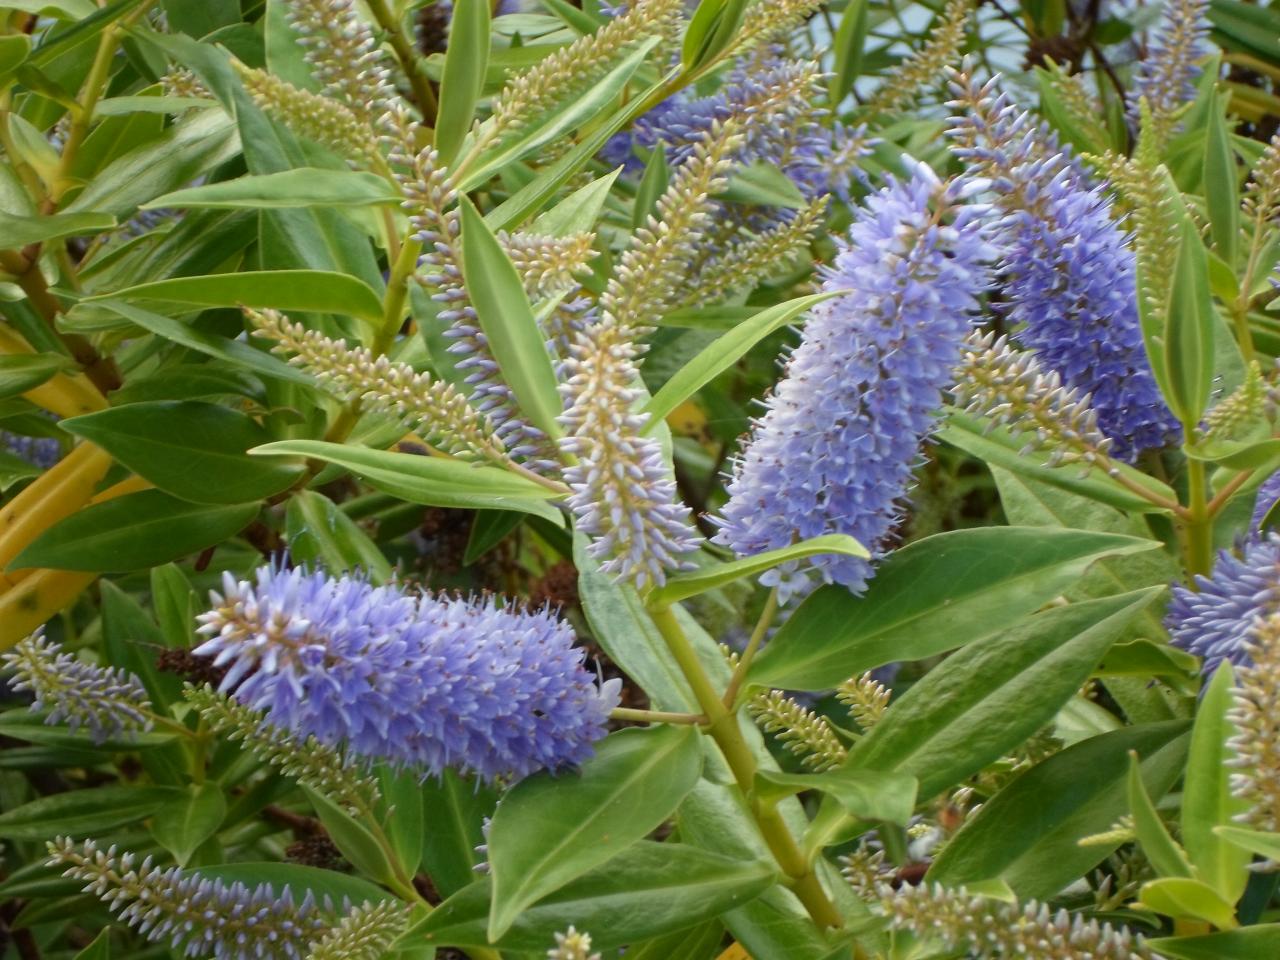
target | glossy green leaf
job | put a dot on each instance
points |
(1255, 841)
(30, 726)
(931, 596)
(465, 60)
(765, 185)
(189, 149)
(21, 231)
(351, 837)
(434, 481)
(1261, 942)
(994, 693)
(1189, 333)
(454, 811)
(507, 320)
(710, 31)
(723, 353)
(1220, 184)
(569, 117)
(1206, 792)
(699, 943)
(1158, 846)
(488, 529)
(134, 532)
(184, 824)
(21, 372)
(997, 447)
(529, 199)
(850, 39)
(1029, 833)
(318, 291)
(549, 830)
(233, 351)
(403, 801)
(318, 532)
(1236, 454)
(193, 450)
(680, 586)
(100, 949)
(648, 889)
(579, 211)
(85, 812)
(1186, 899)
(865, 794)
(653, 183)
(303, 187)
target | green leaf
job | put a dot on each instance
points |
(1189, 332)
(710, 31)
(762, 184)
(352, 838)
(403, 802)
(530, 198)
(865, 794)
(434, 481)
(723, 353)
(318, 532)
(1220, 184)
(488, 529)
(133, 532)
(189, 149)
(1255, 841)
(183, 825)
(303, 187)
(996, 446)
(684, 585)
(575, 113)
(465, 60)
(1261, 942)
(1029, 832)
(100, 949)
(507, 320)
(652, 186)
(1159, 847)
(31, 727)
(549, 830)
(850, 40)
(190, 449)
(233, 351)
(1183, 898)
(698, 943)
(931, 596)
(648, 889)
(80, 813)
(577, 212)
(21, 372)
(994, 693)
(1235, 454)
(1206, 793)
(318, 291)
(454, 811)
(21, 231)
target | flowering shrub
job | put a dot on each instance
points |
(656, 480)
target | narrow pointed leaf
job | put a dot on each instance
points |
(549, 830)
(465, 61)
(1160, 848)
(303, 187)
(507, 320)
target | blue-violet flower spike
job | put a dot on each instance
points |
(835, 450)
(1216, 620)
(413, 679)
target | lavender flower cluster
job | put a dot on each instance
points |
(1068, 277)
(835, 449)
(422, 681)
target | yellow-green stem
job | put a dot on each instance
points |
(424, 97)
(724, 729)
(1199, 524)
(757, 637)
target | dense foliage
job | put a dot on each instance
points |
(652, 480)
